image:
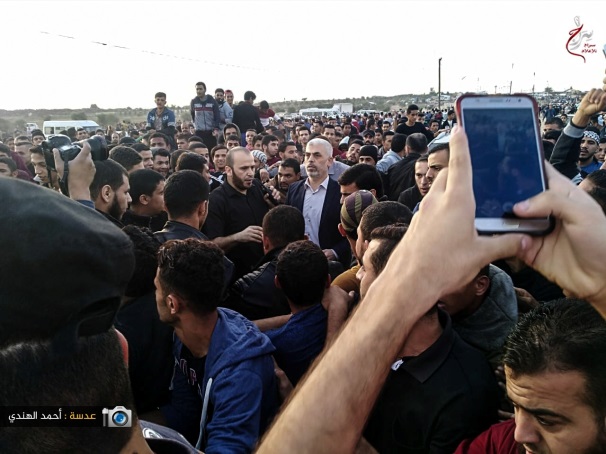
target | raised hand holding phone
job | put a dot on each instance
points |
(507, 160)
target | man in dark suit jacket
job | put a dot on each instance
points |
(318, 198)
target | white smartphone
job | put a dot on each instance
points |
(507, 160)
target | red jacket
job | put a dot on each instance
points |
(498, 439)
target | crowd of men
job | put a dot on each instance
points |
(244, 282)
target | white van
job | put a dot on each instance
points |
(55, 127)
(317, 113)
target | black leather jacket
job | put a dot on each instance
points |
(175, 230)
(255, 295)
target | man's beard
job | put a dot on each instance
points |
(114, 209)
(238, 183)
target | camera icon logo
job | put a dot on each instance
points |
(117, 417)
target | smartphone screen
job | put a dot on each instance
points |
(507, 160)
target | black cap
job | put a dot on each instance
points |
(64, 267)
(370, 150)
(368, 132)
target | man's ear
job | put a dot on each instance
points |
(481, 285)
(175, 303)
(203, 208)
(144, 199)
(265, 241)
(277, 282)
(106, 193)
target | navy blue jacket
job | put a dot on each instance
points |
(328, 234)
(230, 403)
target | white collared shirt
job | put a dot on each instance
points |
(312, 209)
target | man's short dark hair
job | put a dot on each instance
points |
(174, 158)
(143, 182)
(215, 148)
(95, 374)
(196, 145)
(598, 178)
(160, 95)
(440, 147)
(283, 225)
(302, 271)
(411, 107)
(268, 138)
(160, 135)
(389, 237)
(233, 137)
(417, 142)
(139, 147)
(398, 142)
(292, 164)
(194, 139)
(161, 152)
(191, 161)
(42, 152)
(364, 176)
(146, 260)
(5, 149)
(250, 95)
(552, 134)
(184, 135)
(201, 83)
(382, 214)
(37, 133)
(562, 335)
(283, 145)
(192, 269)
(184, 192)
(555, 121)
(12, 166)
(107, 173)
(126, 156)
(598, 191)
(219, 90)
(388, 133)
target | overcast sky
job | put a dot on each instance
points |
(287, 49)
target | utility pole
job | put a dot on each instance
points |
(440, 83)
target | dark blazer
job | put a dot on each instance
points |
(328, 233)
